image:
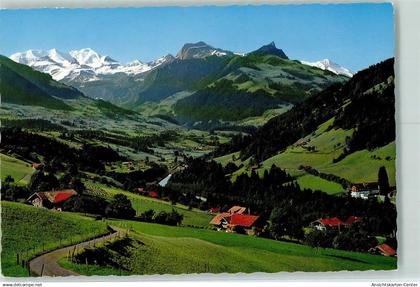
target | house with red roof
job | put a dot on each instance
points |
(51, 199)
(333, 223)
(244, 223)
(221, 220)
(236, 221)
(153, 194)
(326, 223)
(385, 250)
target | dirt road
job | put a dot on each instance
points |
(46, 264)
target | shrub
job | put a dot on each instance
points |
(120, 207)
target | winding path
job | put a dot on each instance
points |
(47, 264)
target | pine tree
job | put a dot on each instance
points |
(383, 181)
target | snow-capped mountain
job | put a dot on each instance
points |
(329, 65)
(84, 65)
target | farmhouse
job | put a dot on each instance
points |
(364, 190)
(221, 220)
(235, 220)
(51, 199)
(326, 223)
(385, 250)
(333, 223)
(243, 223)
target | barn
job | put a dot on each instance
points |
(326, 223)
(51, 199)
(244, 223)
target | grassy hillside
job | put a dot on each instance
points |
(21, 171)
(140, 203)
(28, 230)
(22, 85)
(318, 151)
(16, 89)
(176, 250)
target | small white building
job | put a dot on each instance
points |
(364, 190)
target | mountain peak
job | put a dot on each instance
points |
(199, 50)
(327, 64)
(270, 49)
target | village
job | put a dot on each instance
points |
(239, 219)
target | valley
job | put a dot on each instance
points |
(209, 161)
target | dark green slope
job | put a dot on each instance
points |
(365, 103)
(16, 89)
(252, 84)
(20, 84)
(41, 80)
(180, 75)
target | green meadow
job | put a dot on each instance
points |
(27, 231)
(20, 170)
(176, 250)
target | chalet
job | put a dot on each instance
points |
(51, 199)
(221, 220)
(326, 223)
(244, 223)
(235, 220)
(385, 250)
(364, 190)
(238, 210)
(333, 223)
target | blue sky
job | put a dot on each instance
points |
(353, 35)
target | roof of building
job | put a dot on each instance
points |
(243, 220)
(217, 220)
(55, 196)
(386, 249)
(237, 209)
(352, 219)
(334, 221)
(153, 194)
